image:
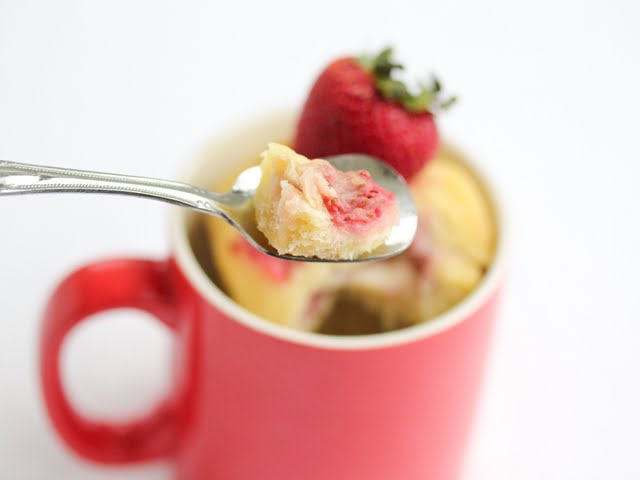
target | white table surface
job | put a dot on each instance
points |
(549, 102)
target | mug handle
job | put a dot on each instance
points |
(120, 283)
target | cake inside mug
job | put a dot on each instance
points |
(357, 106)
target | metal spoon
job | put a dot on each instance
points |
(235, 206)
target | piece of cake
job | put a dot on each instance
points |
(309, 208)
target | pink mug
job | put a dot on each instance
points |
(257, 401)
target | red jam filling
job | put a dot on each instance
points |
(360, 202)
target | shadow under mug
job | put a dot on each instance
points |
(253, 400)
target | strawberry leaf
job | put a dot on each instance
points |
(428, 98)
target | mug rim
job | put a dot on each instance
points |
(191, 269)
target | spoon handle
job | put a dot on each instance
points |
(20, 178)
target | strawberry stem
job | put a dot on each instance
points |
(428, 98)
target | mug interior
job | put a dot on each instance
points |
(220, 160)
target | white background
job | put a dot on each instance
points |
(550, 101)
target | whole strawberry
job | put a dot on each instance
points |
(356, 106)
